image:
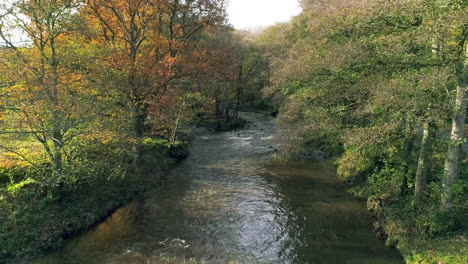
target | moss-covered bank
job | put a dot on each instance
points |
(35, 218)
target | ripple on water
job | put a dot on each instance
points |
(230, 203)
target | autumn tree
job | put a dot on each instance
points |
(44, 96)
(149, 39)
(233, 70)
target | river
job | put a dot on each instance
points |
(230, 202)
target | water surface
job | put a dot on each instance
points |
(229, 202)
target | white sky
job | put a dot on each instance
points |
(251, 14)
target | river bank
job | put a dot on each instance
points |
(41, 224)
(394, 221)
(394, 225)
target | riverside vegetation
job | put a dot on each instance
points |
(380, 86)
(96, 106)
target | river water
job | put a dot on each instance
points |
(230, 202)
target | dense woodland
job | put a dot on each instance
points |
(380, 86)
(104, 93)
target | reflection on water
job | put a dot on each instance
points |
(230, 203)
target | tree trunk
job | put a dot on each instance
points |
(408, 151)
(57, 139)
(238, 101)
(139, 131)
(454, 149)
(239, 87)
(139, 121)
(420, 182)
(57, 135)
(174, 132)
(456, 139)
(218, 105)
(226, 103)
(176, 127)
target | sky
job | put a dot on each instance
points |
(252, 14)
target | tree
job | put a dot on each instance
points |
(371, 82)
(458, 116)
(45, 96)
(149, 39)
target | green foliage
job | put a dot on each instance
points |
(13, 189)
(156, 143)
(81, 105)
(39, 207)
(365, 78)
